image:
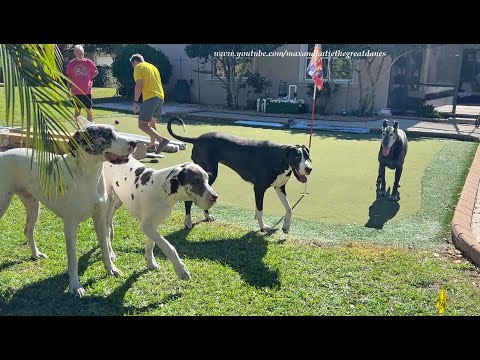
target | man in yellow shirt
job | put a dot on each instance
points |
(148, 82)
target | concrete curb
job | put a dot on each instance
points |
(462, 234)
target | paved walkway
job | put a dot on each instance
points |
(419, 127)
(461, 109)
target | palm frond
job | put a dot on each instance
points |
(34, 72)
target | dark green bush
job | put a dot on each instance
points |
(104, 78)
(427, 111)
(122, 68)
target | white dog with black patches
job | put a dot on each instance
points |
(84, 196)
(150, 195)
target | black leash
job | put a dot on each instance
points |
(293, 207)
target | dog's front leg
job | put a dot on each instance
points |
(71, 241)
(188, 215)
(259, 194)
(169, 251)
(282, 195)
(396, 184)
(100, 224)
(381, 184)
(113, 204)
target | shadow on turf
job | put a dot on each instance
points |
(48, 297)
(244, 255)
(381, 211)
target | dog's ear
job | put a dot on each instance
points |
(395, 126)
(76, 141)
(175, 179)
(384, 124)
(289, 154)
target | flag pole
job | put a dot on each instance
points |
(311, 125)
(313, 114)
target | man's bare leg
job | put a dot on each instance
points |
(153, 125)
(144, 126)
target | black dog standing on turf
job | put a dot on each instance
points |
(393, 150)
(262, 163)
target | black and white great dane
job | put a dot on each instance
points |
(393, 149)
(150, 195)
(262, 163)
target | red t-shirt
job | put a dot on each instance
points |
(81, 73)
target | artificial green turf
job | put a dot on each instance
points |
(341, 187)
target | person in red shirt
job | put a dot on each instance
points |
(82, 71)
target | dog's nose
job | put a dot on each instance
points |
(213, 197)
(132, 144)
(308, 170)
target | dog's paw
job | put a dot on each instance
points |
(394, 197)
(209, 217)
(77, 290)
(40, 255)
(152, 265)
(266, 228)
(188, 224)
(182, 272)
(114, 271)
(285, 230)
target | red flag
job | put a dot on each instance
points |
(315, 68)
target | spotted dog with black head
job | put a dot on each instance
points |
(84, 193)
(150, 195)
(262, 163)
(392, 153)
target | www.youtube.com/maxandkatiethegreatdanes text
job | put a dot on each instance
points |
(327, 53)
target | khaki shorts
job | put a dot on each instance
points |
(151, 108)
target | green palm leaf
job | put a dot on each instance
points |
(33, 78)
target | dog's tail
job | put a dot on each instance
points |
(179, 137)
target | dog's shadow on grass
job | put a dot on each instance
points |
(244, 255)
(381, 211)
(48, 297)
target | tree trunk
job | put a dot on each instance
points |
(228, 82)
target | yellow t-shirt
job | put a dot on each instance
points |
(152, 83)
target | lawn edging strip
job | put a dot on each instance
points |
(462, 233)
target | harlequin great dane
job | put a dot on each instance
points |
(262, 163)
(84, 195)
(393, 149)
(150, 195)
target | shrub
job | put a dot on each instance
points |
(122, 68)
(104, 78)
(427, 111)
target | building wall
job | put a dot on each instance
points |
(292, 70)
(103, 59)
(176, 55)
(206, 89)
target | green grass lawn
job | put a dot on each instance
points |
(99, 95)
(234, 272)
(328, 267)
